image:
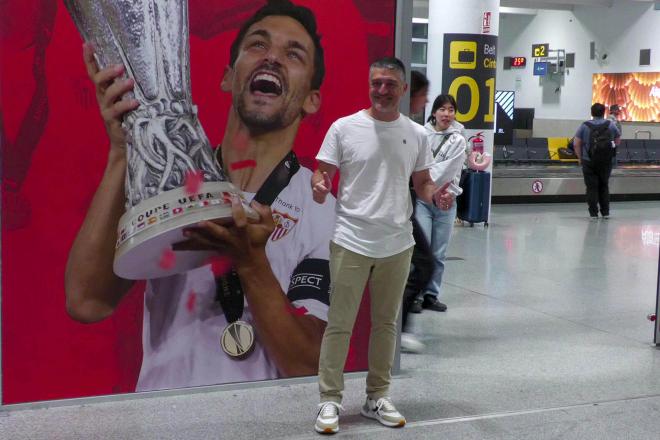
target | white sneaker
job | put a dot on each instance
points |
(327, 421)
(411, 344)
(384, 411)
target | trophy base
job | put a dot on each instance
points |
(147, 231)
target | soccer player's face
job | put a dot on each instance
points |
(271, 77)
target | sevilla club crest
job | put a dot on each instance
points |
(284, 223)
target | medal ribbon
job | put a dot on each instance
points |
(229, 291)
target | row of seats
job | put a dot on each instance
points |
(535, 150)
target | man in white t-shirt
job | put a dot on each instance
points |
(376, 151)
(279, 282)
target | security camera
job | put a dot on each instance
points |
(603, 56)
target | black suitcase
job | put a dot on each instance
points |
(473, 204)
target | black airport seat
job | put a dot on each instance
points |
(537, 150)
(636, 150)
(514, 154)
(653, 149)
(520, 143)
(498, 153)
(622, 153)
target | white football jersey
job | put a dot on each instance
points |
(183, 321)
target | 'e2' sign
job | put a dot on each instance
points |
(540, 50)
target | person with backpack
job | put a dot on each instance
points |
(595, 146)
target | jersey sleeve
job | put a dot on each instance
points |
(309, 287)
(330, 151)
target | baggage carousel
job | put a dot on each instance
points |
(529, 183)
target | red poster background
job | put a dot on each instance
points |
(53, 154)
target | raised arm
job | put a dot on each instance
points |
(92, 289)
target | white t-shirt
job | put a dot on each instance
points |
(375, 160)
(183, 322)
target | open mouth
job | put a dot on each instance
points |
(266, 83)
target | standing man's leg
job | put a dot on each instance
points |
(591, 182)
(424, 216)
(387, 280)
(348, 276)
(604, 173)
(421, 269)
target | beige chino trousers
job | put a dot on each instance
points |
(349, 273)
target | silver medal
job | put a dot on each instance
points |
(237, 339)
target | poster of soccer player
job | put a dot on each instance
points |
(268, 79)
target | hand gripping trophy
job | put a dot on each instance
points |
(166, 144)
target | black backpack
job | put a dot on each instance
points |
(600, 146)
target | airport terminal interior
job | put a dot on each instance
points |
(550, 329)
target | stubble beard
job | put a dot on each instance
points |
(258, 122)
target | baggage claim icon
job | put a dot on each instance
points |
(463, 55)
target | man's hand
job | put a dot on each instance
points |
(442, 198)
(244, 241)
(109, 91)
(321, 188)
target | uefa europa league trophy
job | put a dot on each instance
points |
(166, 144)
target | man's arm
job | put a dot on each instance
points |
(430, 192)
(322, 181)
(616, 133)
(292, 341)
(92, 288)
(577, 147)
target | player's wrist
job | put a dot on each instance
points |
(253, 265)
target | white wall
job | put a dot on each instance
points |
(621, 30)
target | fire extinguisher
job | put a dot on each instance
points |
(477, 142)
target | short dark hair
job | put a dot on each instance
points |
(598, 110)
(439, 102)
(418, 82)
(302, 15)
(391, 63)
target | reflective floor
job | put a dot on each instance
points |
(546, 337)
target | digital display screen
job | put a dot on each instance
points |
(518, 61)
(636, 93)
(540, 50)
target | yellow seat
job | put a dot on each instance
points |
(554, 144)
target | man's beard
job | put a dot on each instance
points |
(258, 122)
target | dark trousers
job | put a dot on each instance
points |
(596, 178)
(421, 269)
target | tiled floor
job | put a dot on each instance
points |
(546, 337)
